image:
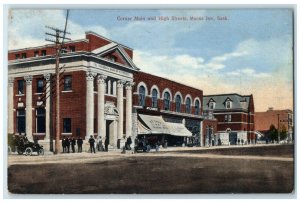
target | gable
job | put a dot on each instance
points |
(117, 51)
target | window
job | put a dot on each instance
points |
(39, 85)
(167, 101)
(228, 104)
(24, 55)
(67, 125)
(72, 48)
(178, 103)
(142, 92)
(17, 56)
(229, 118)
(40, 120)
(20, 86)
(21, 121)
(67, 83)
(211, 105)
(36, 53)
(154, 98)
(197, 107)
(188, 105)
(43, 53)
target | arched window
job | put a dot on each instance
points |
(142, 92)
(188, 105)
(154, 98)
(40, 120)
(167, 101)
(178, 103)
(197, 107)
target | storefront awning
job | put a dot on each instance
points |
(156, 125)
(178, 129)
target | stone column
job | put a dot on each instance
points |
(28, 79)
(120, 108)
(114, 87)
(10, 105)
(129, 109)
(100, 103)
(89, 104)
(109, 87)
(47, 108)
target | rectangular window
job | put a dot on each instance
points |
(36, 53)
(226, 118)
(43, 53)
(40, 120)
(39, 85)
(229, 118)
(211, 105)
(24, 55)
(20, 86)
(17, 56)
(67, 125)
(67, 83)
(21, 121)
(72, 48)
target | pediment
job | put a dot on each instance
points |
(114, 49)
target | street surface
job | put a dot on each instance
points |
(247, 169)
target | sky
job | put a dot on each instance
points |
(244, 51)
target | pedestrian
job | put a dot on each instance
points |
(73, 143)
(68, 144)
(128, 143)
(92, 144)
(63, 143)
(100, 144)
(106, 144)
(79, 144)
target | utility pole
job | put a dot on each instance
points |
(59, 41)
(278, 133)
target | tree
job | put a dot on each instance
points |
(273, 133)
(283, 132)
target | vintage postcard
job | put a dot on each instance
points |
(150, 101)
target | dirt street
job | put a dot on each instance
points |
(269, 170)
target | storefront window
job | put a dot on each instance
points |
(40, 120)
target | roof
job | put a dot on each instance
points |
(238, 101)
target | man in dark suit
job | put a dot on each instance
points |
(79, 144)
(92, 144)
(68, 144)
(73, 143)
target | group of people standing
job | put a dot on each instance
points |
(68, 142)
(99, 145)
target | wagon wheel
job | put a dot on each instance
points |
(41, 151)
(28, 151)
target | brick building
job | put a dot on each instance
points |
(92, 92)
(102, 93)
(175, 108)
(235, 119)
(263, 121)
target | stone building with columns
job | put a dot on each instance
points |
(95, 90)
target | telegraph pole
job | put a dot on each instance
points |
(278, 133)
(59, 41)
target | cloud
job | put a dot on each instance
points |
(26, 27)
(248, 72)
